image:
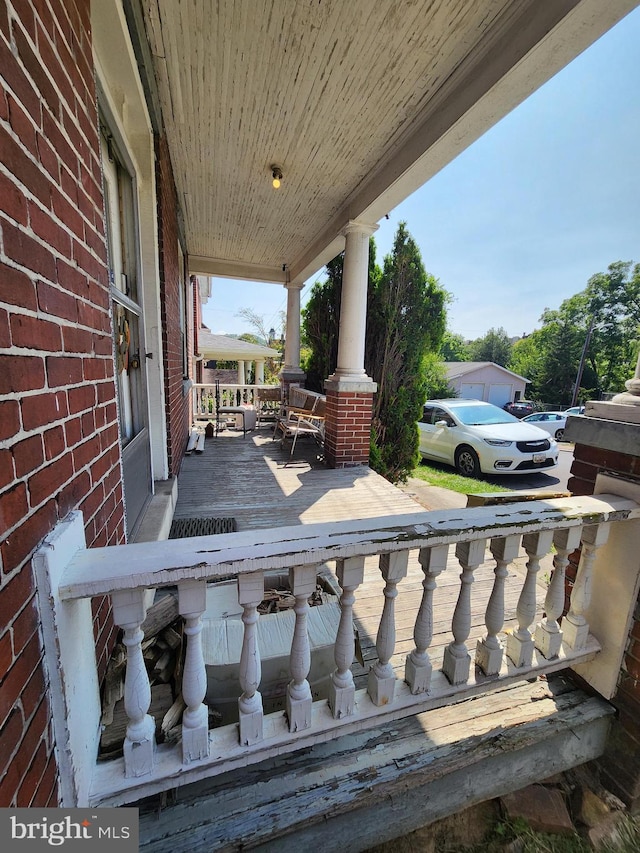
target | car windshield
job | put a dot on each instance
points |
(474, 415)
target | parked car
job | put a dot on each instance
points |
(574, 410)
(519, 408)
(551, 422)
(477, 437)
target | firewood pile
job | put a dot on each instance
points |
(163, 653)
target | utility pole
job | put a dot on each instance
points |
(583, 358)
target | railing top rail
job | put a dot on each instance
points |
(99, 571)
(232, 385)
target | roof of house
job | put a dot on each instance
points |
(231, 349)
(455, 369)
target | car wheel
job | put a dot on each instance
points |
(559, 435)
(467, 462)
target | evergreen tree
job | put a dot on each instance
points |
(406, 321)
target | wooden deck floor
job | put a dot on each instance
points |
(255, 480)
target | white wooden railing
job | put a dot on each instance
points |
(204, 397)
(69, 577)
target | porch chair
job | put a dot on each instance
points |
(303, 422)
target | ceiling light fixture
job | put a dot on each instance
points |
(276, 174)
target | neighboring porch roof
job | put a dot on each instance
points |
(359, 103)
(231, 349)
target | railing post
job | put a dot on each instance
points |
(457, 660)
(520, 643)
(342, 692)
(489, 650)
(418, 668)
(302, 580)
(574, 625)
(382, 679)
(548, 636)
(192, 603)
(129, 612)
(250, 594)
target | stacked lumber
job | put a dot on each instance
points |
(162, 650)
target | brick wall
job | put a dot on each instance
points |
(348, 428)
(177, 403)
(59, 445)
(620, 765)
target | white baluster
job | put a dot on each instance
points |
(548, 636)
(342, 692)
(574, 625)
(520, 643)
(129, 612)
(489, 650)
(192, 602)
(457, 660)
(418, 668)
(382, 679)
(250, 594)
(302, 580)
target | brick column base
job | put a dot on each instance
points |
(347, 427)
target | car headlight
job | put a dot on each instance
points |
(498, 442)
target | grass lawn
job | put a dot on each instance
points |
(440, 475)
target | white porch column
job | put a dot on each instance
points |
(260, 372)
(241, 379)
(291, 369)
(349, 390)
(353, 304)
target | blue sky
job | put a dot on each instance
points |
(522, 218)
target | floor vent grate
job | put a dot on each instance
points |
(184, 527)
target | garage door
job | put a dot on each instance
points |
(471, 391)
(500, 394)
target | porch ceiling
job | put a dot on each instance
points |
(358, 102)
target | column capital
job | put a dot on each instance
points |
(293, 285)
(356, 226)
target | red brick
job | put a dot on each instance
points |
(45, 227)
(7, 474)
(56, 302)
(20, 373)
(48, 158)
(28, 455)
(17, 679)
(13, 506)
(26, 251)
(10, 737)
(58, 140)
(81, 398)
(29, 786)
(22, 125)
(12, 201)
(54, 442)
(27, 537)
(35, 333)
(40, 409)
(46, 482)
(63, 370)
(77, 340)
(25, 625)
(94, 369)
(85, 453)
(72, 279)
(5, 332)
(36, 71)
(88, 422)
(67, 213)
(9, 418)
(72, 432)
(18, 82)
(16, 288)
(71, 496)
